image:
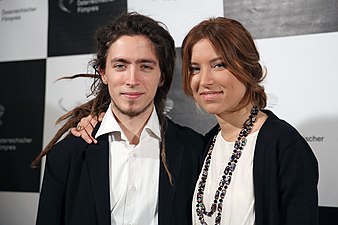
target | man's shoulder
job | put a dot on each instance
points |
(185, 137)
(181, 129)
(68, 147)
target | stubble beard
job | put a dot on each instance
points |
(130, 112)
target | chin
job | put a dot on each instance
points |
(210, 109)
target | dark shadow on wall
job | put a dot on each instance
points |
(181, 108)
(278, 18)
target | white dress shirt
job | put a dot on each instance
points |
(134, 172)
(239, 201)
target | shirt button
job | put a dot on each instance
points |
(133, 188)
(134, 155)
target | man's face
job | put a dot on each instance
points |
(132, 74)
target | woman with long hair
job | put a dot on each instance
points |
(257, 169)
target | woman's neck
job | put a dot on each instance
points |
(231, 123)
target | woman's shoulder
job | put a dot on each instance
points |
(276, 131)
(275, 125)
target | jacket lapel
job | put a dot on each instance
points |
(97, 161)
(174, 153)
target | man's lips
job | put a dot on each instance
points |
(210, 95)
(132, 95)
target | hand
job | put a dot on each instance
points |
(85, 128)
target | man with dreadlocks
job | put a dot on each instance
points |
(144, 167)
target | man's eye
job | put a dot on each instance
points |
(119, 66)
(146, 67)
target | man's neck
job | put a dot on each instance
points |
(133, 126)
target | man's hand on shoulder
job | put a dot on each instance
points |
(85, 128)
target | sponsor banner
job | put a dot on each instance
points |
(22, 91)
(277, 18)
(72, 24)
(23, 28)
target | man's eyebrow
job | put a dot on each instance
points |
(123, 60)
(143, 60)
(146, 61)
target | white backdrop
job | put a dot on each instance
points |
(302, 85)
(301, 82)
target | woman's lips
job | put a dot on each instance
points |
(210, 95)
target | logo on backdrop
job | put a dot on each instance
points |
(72, 24)
(81, 6)
(2, 112)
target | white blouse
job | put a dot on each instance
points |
(238, 204)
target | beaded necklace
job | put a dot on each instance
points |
(224, 183)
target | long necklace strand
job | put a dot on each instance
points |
(224, 183)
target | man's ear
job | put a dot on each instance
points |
(103, 75)
(161, 81)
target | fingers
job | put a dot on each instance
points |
(84, 122)
(85, 128)
(92, 122)
(89, 124)
(75, 132)
(101, 116)
(83, 134)
(86, 135)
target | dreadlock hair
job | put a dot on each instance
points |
(129, 24)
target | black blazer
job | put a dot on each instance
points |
(75, 188)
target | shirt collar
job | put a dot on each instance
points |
(110, 125)
(153, 125)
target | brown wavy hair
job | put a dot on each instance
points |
(236, 47)
(130, 24)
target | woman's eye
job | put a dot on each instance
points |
(194, 70)
(219, 65)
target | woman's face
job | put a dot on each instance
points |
(213, 86)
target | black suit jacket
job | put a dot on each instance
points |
(75, 188)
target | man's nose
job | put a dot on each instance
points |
(132, 76)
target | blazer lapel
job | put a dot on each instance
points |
(174, 153)
(97, 161)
